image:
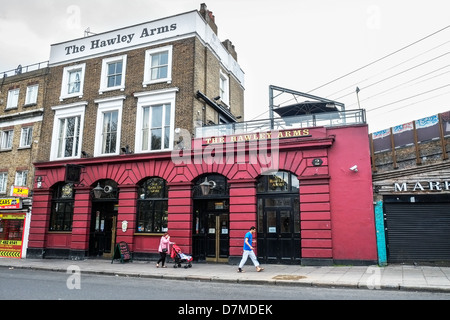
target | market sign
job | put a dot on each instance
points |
(21, 192)
(10, 203)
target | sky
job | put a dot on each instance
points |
(397, 52)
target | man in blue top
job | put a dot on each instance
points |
(248, 251)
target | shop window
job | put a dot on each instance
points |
(62, 207)
(152, 215)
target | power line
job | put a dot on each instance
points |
(397, 74)
(410, 97)
(380, 59)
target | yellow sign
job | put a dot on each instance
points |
(10, 242)
(10, 203)
(12, 217)
(20, 192)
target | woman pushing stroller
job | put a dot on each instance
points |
(163, 249)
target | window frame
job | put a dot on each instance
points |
(149, 99)
(145, 200)
(6, 139)
(148, 65)
(65, 81)
(3, 182)
(65, 112)
(20, 176)
(13, 99)
(62, 197)
(32, 95)
(108, 105)
(224, 88)
(29, 137)
(104, 76)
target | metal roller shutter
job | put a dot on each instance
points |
(417, 232)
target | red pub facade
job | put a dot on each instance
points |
(295, 186)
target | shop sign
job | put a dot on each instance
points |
(10, 203)
(10, 248)
(296, 133)
(21, 192)
(422, 186)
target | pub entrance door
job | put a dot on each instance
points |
(278, 229)
(102, 237)
(211, 231)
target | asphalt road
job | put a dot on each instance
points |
(21, 284)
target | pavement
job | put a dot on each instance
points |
(390, 277)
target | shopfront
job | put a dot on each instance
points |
(13, 227)
(207, 201)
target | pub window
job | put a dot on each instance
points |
(62, 207)
(6, 138)
(13, 99)
(152, 213)
(281, 181)
(32, 93)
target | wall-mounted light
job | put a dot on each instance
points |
(354, 168)
(85, 154)
(206, 186)
(98, 190)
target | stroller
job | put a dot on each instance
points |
(179, 257)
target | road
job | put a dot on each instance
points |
(23, 284)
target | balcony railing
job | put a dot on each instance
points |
(23, 69)
(331, 119)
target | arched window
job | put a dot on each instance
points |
(280, 181)
(62, 207)
(152, 206)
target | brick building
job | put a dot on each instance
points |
(21, 112)
(143, 135)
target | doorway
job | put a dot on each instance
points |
(278, 228)
(211, 236)
(102, 237)
(278, 231)
(217, 237)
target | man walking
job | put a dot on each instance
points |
(248, 251)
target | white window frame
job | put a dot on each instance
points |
(32, 94)
(65, 82)
(108, 105)
(13, 99)
(6, 139)
(26, 137)
(3, 182)
(224, 88)
(148, 63)
(104, 77)
(153, 98)
(64, 112)
(21, 178)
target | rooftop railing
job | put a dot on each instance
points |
(330, 119)
(23, 69)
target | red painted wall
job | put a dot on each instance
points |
(351, 195)
(337, 219)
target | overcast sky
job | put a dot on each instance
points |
(297, 44)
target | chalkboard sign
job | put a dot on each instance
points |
(122, 252)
